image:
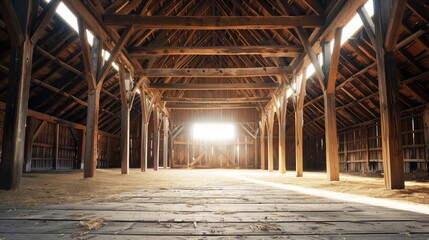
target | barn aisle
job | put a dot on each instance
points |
(218, 206)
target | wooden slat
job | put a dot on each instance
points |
(212, 22)
(208, 86)
(214, 72)
(273, 50)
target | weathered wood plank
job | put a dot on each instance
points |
(274, 51)
(214, 72)
(212, 22)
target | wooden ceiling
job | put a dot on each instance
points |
(220, 54)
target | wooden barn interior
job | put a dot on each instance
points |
(214, 119)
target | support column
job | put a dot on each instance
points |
(156, 135)
(387, 15)
(125, 83)
(270, 117)
(21, 56)
(28, 152)
(91, 142)
(332, 162)
(145, 106)
(282, 134)
(165, 137)
(299, 119)
(263, 126)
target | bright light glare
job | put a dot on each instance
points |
(213, 131)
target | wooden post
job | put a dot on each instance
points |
(92, 61)
(156, 134)
(299, 141)
(28, 152)
(80, 148)
(55, 162)
(165, 137)
(189, 149)
(301, 82)
(91, 141)
(332, 162)
(345, 151)
(330, 68)
(145, 106)
(270, 116)
(246, 154)
(21, 55)
(125, 82)
(281, 115)
(387, 17)
(263, 126)
(171, 158)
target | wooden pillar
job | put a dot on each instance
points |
(171, 158)
(246, 151)
(299, 122)
(299, 141)
(28, 152)
(270, 118)
(330, 68)
(387, 17)
(188, 150)
(263, 127)
(145, 106)
(80, 148)
(92, 62)
(55, 161)
(91, 142)
(165, 142)
(332, 162)
(345, 151)
(281, 115)
(21, 55)
(125, 82)
(156, 134)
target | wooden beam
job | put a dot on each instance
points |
(212, 22)
(43, 20)
(270, 124)
(210, 106)
(335, 57)
(114, 55)
(145, 105)
(303, 37)
(332, 161)
(214, 72)
(156, 136)
(165, 142)
(21, 56)
(262, 143)
(86, 55)
(215, 100)
(216, 86)
(124, 80)
(368, 24)
(281, 115)
(299, 119)
(394, 26)
(272, 51)
(388, 85)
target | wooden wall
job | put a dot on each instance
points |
(360, 147)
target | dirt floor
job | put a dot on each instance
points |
(70, 187)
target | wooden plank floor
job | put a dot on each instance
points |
(241, 210)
